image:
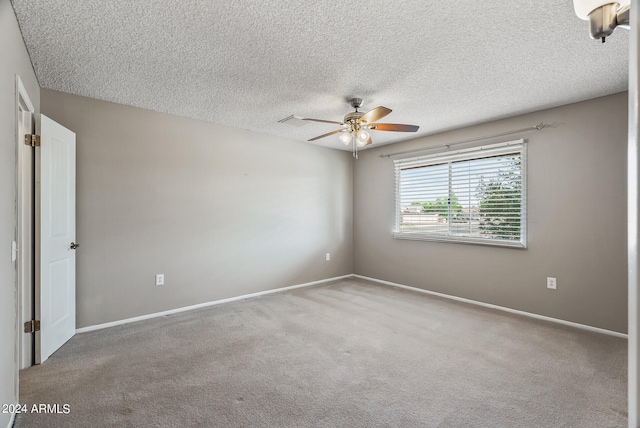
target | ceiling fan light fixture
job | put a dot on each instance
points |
(583, 8)
(603, 16)
(362, 137)
(345, 138)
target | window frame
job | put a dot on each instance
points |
(450, 156)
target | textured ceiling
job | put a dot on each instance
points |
(250, 63)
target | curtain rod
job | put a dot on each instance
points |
(537, 127)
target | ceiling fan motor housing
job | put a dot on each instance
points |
(353, 116)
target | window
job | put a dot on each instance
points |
(475, 195)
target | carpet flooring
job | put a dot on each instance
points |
(345, 354)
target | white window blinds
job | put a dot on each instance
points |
(475, 195)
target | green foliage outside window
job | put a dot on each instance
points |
(500, 203)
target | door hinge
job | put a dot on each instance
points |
(32, 326)
(32, 140)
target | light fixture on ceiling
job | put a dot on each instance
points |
(603, 16)
(362, 138)
(355, 129)
(346, 138)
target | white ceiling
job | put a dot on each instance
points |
(249, 63)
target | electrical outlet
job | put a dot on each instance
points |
(552, 283)
(328, 256)
(160, 279)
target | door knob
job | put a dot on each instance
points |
(74, 246)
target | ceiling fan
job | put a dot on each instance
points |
(356, 124)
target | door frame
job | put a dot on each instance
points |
(633, 220)
(25, 233)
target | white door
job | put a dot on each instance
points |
(56, 228)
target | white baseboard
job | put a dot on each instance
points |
(500, 308)
(206, 304)
(12, 420)
(308, 284)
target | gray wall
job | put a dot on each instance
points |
(15, 60)
(220, 211)
(576, 221)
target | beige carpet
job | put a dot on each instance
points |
(346, 354)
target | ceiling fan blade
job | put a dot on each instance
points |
(397, 127)
(375, 114)
(323, 121)
(325, 135)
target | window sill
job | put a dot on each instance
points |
(460, 240)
